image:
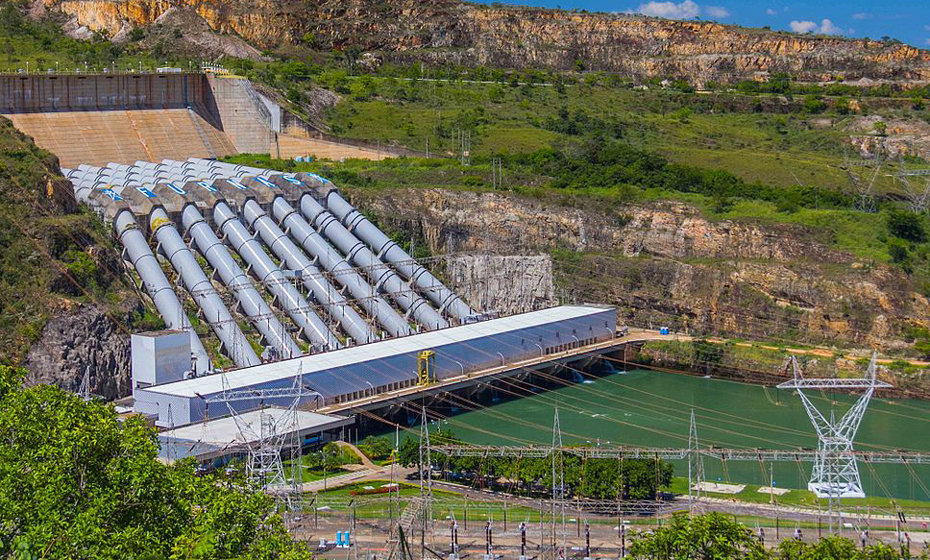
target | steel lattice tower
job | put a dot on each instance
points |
(558, 490)
(267, 438)
(695, 465)
(835, 474)
(426, 482)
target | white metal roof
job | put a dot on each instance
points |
(248, 377)
(222, 434)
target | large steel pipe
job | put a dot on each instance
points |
(361, 256)
(157, 285)
(270, 275)
(330, 259)
(251, 302)
(313, 278)
(387, 250)
(214, 310)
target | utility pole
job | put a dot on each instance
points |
(426, 481)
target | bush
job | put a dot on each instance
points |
(376, 447)
(907, 226)
(900, 254)
(813, 105)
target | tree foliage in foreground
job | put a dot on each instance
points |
(77, 483)
(716, 536)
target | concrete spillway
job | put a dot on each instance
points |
(211, 304)
(330, 259)
(250, 301)
(391, 252)
(271, 276)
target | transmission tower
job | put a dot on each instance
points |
(835, 474)
(862, 175)
(695, 465)
(269, 435)
(558, 490)
(917, 195)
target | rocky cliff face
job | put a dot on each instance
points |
(83, 340)
(455, 32)
(665, 265)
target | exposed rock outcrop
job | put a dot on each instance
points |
(909, 137)
(81, 340)
(506, 284)
(666, 265)
(450, 31)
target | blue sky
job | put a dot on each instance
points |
(907, 20)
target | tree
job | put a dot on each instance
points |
(714, 536)
(708, 537)
(813, 105)
(834, 547)
(842, 106)
(376, 447)
(907, 226)
(76, 482)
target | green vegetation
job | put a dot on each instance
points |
(326, 462)
(76, 481)
(715, 535)
(52, 255)
(593, 478)
(807, 499)
(376, 448)
(40, 46)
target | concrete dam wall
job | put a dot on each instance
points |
(124, 118)
(32, 93)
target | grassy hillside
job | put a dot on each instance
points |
(53, 255)
(777, 139)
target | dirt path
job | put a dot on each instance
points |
(365, 460)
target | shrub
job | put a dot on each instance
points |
(813, 105)
(906, 225)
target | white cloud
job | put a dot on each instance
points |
(861, 16)
(771, 12)
(687, 9)
(927, 41)
(826, 27)
(670, 10)
(803, 26)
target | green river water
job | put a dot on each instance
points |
(647, 408)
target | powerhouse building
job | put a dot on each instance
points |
(362, 371)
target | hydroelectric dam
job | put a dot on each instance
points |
(348, 320)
